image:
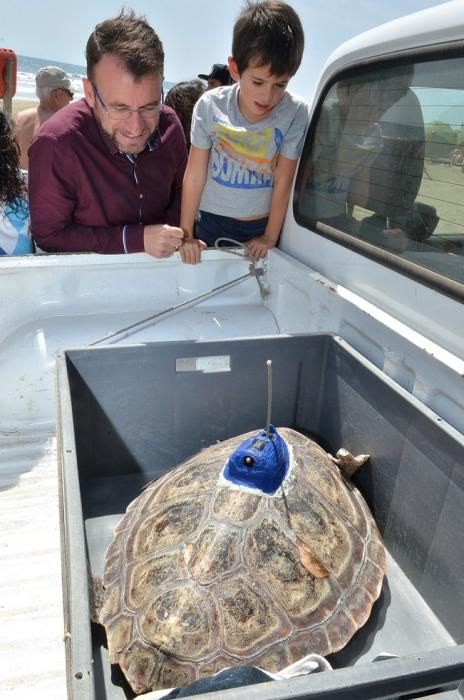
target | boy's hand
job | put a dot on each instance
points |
(190, 250)
(258, 247)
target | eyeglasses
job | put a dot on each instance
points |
(125, 112)
(68, 92)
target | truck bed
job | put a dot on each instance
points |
(85, 297)
(32, 658)
(31, 612)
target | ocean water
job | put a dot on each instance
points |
(28, 66)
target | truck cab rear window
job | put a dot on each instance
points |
(384, 163)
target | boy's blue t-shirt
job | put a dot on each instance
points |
(15, 236)
(243, 155)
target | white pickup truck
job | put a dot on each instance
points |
(372, 254)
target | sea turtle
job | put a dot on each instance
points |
(255, 551)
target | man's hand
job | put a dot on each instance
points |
(258, 247)
(161, 240)
(190, 250)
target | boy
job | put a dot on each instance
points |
(247, 137)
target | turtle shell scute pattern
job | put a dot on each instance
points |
(203, 574)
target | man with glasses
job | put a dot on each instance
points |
(54, 90)
(105, 175)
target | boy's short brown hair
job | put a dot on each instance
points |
(270, 32)
(131, 39)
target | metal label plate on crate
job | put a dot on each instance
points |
(212, 363)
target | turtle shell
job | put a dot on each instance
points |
(203, 574)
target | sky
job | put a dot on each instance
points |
(195, 33)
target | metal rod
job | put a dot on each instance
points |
(127, 330)
(269, 397)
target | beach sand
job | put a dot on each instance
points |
(20, 104)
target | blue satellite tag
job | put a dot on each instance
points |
(260, 462)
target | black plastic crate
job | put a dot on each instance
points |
(127, 414)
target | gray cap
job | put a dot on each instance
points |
(53, 77)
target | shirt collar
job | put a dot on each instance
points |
(153, 143)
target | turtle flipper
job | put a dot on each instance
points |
(348, 463)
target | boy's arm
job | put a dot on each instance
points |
(194, 182)
(283, 178)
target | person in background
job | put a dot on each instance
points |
(105, 174)
(218, 75)
(182, 98)
(247, 137)
(15, 238)
(54, 90)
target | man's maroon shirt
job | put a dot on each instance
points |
(84, 193)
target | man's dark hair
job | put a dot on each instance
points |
(269, 32)
(131, 39)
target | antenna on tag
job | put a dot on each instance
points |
(269, 397)
(262, 460)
